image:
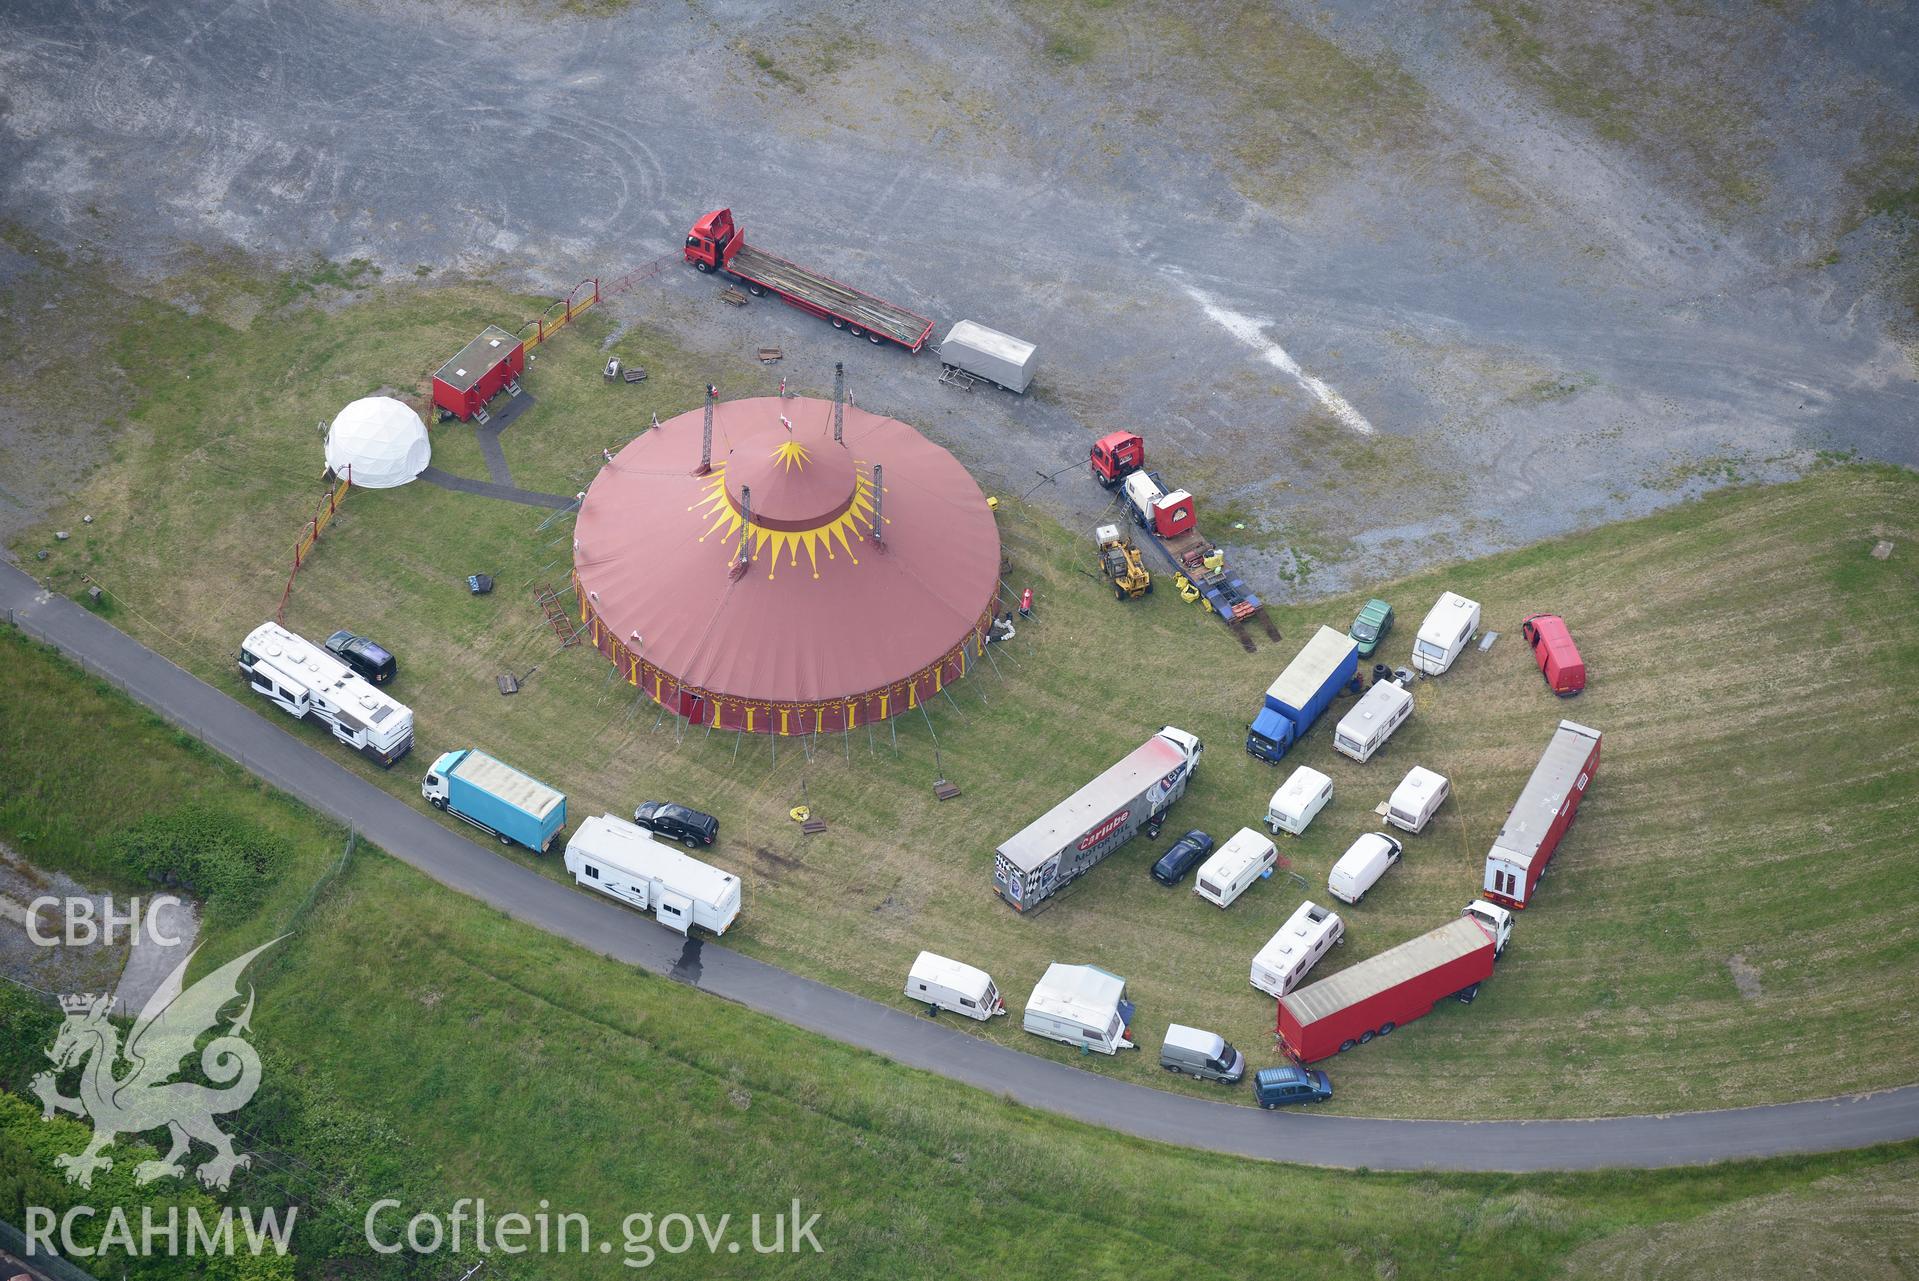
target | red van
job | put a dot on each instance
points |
(1558, 658)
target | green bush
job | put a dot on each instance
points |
(215, 854)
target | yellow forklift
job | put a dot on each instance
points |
(1119, 561)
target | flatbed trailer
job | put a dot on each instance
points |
(716, 244)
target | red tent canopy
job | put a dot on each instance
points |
(825, 627)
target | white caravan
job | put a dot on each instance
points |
(1081, 1005)
(1443, 636)
(1298, 801)
(623, 861)
(1234, 866)
(942, 983)
(1309, 933)
(1361, 866)
(302, 678)
(1379, 711)
(1418, 796)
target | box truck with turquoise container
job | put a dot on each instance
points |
(496, 798)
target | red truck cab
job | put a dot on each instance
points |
(1554, 651)
(713, 241)
(1115, 456)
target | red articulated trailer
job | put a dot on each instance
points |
(1541, 815)
(1388, 991)
(484, 368)
(717, 244)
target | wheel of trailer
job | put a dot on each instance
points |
(1365, 1037)
(758, 291)
(875, 339)
(1346, 1045)
(702, 266)
(1386, 1029)
(856, 331)
(838, 323)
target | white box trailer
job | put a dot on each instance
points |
(623, 861)
(1234, 866)
(1001, 359)
(303, 679)
(1417, 798)
(1070, 838)
(942, 983)
(1298, 801)
(1442, 638)
(1081, 1005)
(1365, 729)
(1309, 933)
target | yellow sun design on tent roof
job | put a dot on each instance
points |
(848, 528)
(791, 454)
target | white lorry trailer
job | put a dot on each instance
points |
(1001, 359)
(1067, 840)
(623, 861)
(1081, 1005)
(942, 983)
(302, 679)
(1309, 933)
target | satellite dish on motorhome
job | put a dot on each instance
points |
(378, 443)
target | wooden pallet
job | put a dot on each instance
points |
(945, 791)
(769, 355)
(732, 296)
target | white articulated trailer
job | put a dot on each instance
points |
(623, 861)
(302, 679)
(1070, 838)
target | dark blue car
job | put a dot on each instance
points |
(1185, 854)
(1276, 1087)
(364, 656)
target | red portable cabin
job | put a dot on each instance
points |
(1384, 992)
(1542, 814)
(475, 376)
(1557, 656)
(1173, 515)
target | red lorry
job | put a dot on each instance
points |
(1388, 991)
(716, 243)
(1541, 815)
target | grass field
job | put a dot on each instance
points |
(517, 1068)
(1729, 922)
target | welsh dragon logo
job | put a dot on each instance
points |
(143, 1096)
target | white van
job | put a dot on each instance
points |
(1309, 933)
(1298, 801)
(1365, 729)
(1235, 866)
(1361, 866)
(1417, 797)
(945, 984)
(1443, 636)
(1202, 1055)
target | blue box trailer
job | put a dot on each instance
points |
(1327, 662)
(496, 798)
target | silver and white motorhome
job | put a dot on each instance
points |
(1298, 801)
(1234, 866)
(942, 983)
(1416, 799)
(302, 679)
(1081, 1005)
(1453, 621)
(1365, 729)
(622, 860)
(1309, 933)
(1361, 866)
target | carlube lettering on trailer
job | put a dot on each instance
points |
(1104, 830)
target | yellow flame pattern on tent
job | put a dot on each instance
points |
(849, 528)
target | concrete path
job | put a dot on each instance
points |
(488, 489)
(316, 777)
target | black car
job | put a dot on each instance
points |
(678, 822)
(363, 656)
(1180, 859)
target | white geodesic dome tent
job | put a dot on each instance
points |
(381, 440)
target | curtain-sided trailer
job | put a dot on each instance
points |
(1067, 840)
(623, 861)
(302, 679)
(1541, 815)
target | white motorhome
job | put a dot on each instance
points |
(1298, 801)
(622, 860)
(1234, 866)
(1361, 866)
(1443, 636)
(303, 679)
(1081, 1005)
(1365, 729)
(1309, 933)
(942, 983)
(1416, 799)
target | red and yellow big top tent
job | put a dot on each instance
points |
(824, 626)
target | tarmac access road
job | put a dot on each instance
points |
(320, 781)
